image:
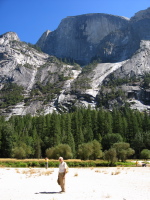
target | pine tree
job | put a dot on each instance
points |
(87, 122)
(36, 144)
(124, 128)
(40, 124)
(137, 143)
(139, 117)
(117, 122)
(45, 137)
(69, 137)
(96, 134)
(146, 139)
(146, 122)
(100, 121)
(133, 127)
(55, 132)
(7, 132)
(76, 130)
(62, 126)
(108, 123)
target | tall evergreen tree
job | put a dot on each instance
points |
(139, 117)
(87, 121)
(137, 143)
(76, 130)
(146, 139)
(40, 124)
(55, 132)
(100, 121)
(96, 134)
(146, 122)
(69, 137)
(117, 121)
(108, 123)
(45, 137)
(124, 128)
(133, 127)
(37, 145)
(7, 132)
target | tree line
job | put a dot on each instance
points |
(84, 134)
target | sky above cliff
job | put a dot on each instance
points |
(30, 18)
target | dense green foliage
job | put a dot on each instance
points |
(118, 151)
(90, 150)
(113, 81)
(112, 94)
(57, 151)
(146, 81)
(10, 94)
(145, 154)
(86, 132)
(54, 163)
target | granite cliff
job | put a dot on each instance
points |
(39, 82)
(78, 37)
(87, 37)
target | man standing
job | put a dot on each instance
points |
(62, 173)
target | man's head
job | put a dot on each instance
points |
(60, 159)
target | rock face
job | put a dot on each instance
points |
(86, 37)
(7, 37)
(140, 23)
(138, 65)
(25, 66)
(49, 84)
(122, 44)
(78, 37)
(20, 62)
(41, 42)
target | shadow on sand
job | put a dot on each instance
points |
(47, 193)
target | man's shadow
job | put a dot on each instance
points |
(47, 193)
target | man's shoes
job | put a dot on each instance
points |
(62, 191)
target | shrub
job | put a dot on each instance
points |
(145, 154)
(110, 155)
(21, 164)
(50, 152)
(59, 150)
(85, 151)
(19, 152)
(35, 164)
(96, 150)
(123, 150)
(42, 164)
(53, 164)
(90, 150)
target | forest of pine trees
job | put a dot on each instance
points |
(32, 137)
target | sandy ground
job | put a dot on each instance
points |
(81, 184)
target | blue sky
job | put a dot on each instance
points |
(30, 18)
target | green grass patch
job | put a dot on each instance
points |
(54, 163)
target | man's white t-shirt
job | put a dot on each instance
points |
(62, 167)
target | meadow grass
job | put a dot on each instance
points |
(40, 163)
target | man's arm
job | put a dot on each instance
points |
(65, 170)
